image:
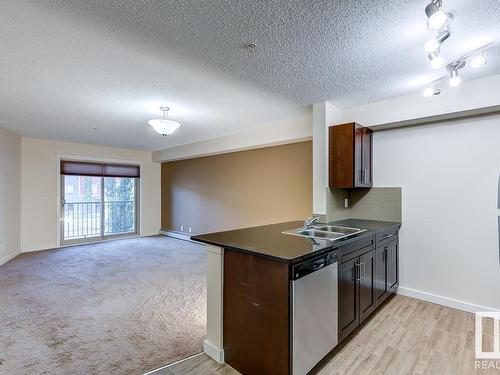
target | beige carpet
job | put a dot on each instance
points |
(118, 307)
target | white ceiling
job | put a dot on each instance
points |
(67, 67)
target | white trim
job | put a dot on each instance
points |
(8, 257)
(172, 364)
(213, 345)
(174, 234)
(444, 301)
(77, 157)
(117, 238)
(216, 354)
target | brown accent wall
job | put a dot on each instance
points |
(237, 190)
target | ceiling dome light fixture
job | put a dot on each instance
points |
(164, 126)
(437, 19)
(434, 44)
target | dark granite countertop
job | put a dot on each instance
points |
(270, 242)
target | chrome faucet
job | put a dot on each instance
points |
(310, 221)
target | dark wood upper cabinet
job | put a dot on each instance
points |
(350, 156)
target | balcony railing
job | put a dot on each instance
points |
(84, 219)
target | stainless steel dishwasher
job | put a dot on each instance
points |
(315, 311)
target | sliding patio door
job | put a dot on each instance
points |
(98, 201)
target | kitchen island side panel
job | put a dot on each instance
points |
(256, 314)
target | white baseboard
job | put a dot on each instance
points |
(444, 301)
(174, 234)
(8, 257)
(216, 354)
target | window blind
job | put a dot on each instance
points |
(82, 168)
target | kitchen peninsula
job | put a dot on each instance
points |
(278, 303)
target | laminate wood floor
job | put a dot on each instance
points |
(404, 336)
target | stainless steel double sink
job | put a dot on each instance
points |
(325, 231)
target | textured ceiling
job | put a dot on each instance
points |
(110, 63)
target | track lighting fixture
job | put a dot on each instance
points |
(435, 43)
(436, 18)
(436, 60)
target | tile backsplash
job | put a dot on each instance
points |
(378, 203)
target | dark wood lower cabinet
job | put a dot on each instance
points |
(381, 292)
(392, 265)
(367, 300)
(386, 269)
(256, 314)
(365, 282)
(348, 295)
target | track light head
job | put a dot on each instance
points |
(435, 43)
(436, 17)
(431, 91)
(453, 68)
(436, 61)
(478, 61)
(455, 79)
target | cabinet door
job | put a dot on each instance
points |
(363, 156)
(340, 160)
(392, 265)
(348, 297)
(367, 144)
(358, 156)
(367, 300)
(381, 292)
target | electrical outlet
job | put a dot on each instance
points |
(346, 203)
(189, 229)
(182, 228)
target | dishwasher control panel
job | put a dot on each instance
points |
(314, 264)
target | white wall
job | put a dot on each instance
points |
(477, 96)
(449, 174)
(10, 163)
(39, 205)
(324, 115)
(274, 134)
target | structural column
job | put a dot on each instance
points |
(213, 345)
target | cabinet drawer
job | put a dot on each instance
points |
(356, 248)
(386, 235)
(356, 245)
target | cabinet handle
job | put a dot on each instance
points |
(385, 254)
(357, 271)
(390, 254)
(364, 270)
(389, 235)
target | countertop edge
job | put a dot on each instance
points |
(256, 252)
